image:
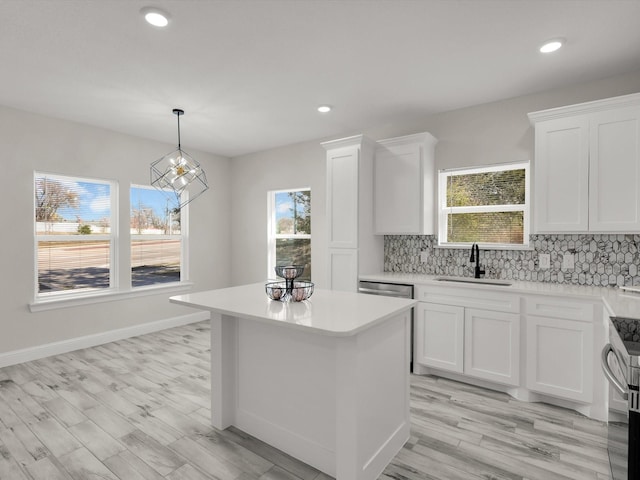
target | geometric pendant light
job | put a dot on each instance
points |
(179, 173)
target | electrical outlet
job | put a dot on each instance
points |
(544, 261)
(568, 262)
(424, 256)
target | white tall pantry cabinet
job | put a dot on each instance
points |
(587, 167)
(353, 248)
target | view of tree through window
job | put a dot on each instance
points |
(484, 205)
(73, 234)
(291, 238)
(156, 240)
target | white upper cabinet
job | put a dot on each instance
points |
(403, 185)
(614, 171)
(587, 167)
(342, 196)
(561, 169)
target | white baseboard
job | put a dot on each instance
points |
(56, 348)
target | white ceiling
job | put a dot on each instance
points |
(250, 73)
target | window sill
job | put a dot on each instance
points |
(486, 247)
(110, 296)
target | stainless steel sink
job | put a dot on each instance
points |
(481, 281)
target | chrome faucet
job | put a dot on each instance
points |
(475, 257)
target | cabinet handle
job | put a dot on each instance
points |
(613, 380)
(389, 293)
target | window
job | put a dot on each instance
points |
(290, 230)
(156, 238)
(75, 231)
(78, 247)
(485, 205)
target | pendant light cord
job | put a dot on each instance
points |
(178, 112)
(179, 131)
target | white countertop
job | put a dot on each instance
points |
(327, 312)
(617, 303)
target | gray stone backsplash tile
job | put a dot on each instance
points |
(600, 259)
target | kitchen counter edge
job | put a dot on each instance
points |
(616, 302)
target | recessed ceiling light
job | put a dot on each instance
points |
(324, 108)
(155, 16)
(551, 45)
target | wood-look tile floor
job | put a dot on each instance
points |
(138, 409)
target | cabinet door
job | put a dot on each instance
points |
(492, 345)
(439, 336)
(342, 197)
(614, 180)
(343, 269)
(397, 191)
(560, 358)
(561, 189)
(404, 182)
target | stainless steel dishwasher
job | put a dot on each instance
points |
(399, 290)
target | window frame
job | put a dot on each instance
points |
(444, 210)
(120, 282)
(111, 237)
(272, 236)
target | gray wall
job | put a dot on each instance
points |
(228, 224)
(31, 142)
(253, 176)
(492, 133)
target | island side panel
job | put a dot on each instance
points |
(224, 370)
(287, 391)
(372, 379)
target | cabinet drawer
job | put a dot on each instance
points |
(469, 297)
(582, 311)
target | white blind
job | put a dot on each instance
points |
(73, 221)
(485, 205)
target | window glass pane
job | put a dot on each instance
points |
(295, 251)
(152, 214)
(70, 206)
(489, 227)
(155, 261)
(81, 209)
(488, 188)
(73, 265)
(293, 212)
(156, 241)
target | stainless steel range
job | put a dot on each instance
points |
(621, 365)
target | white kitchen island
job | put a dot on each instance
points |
(325, 380)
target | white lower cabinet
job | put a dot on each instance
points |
(492, 346)
(560, 357)
(478, 343)
(439, 335)
(537, 347)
